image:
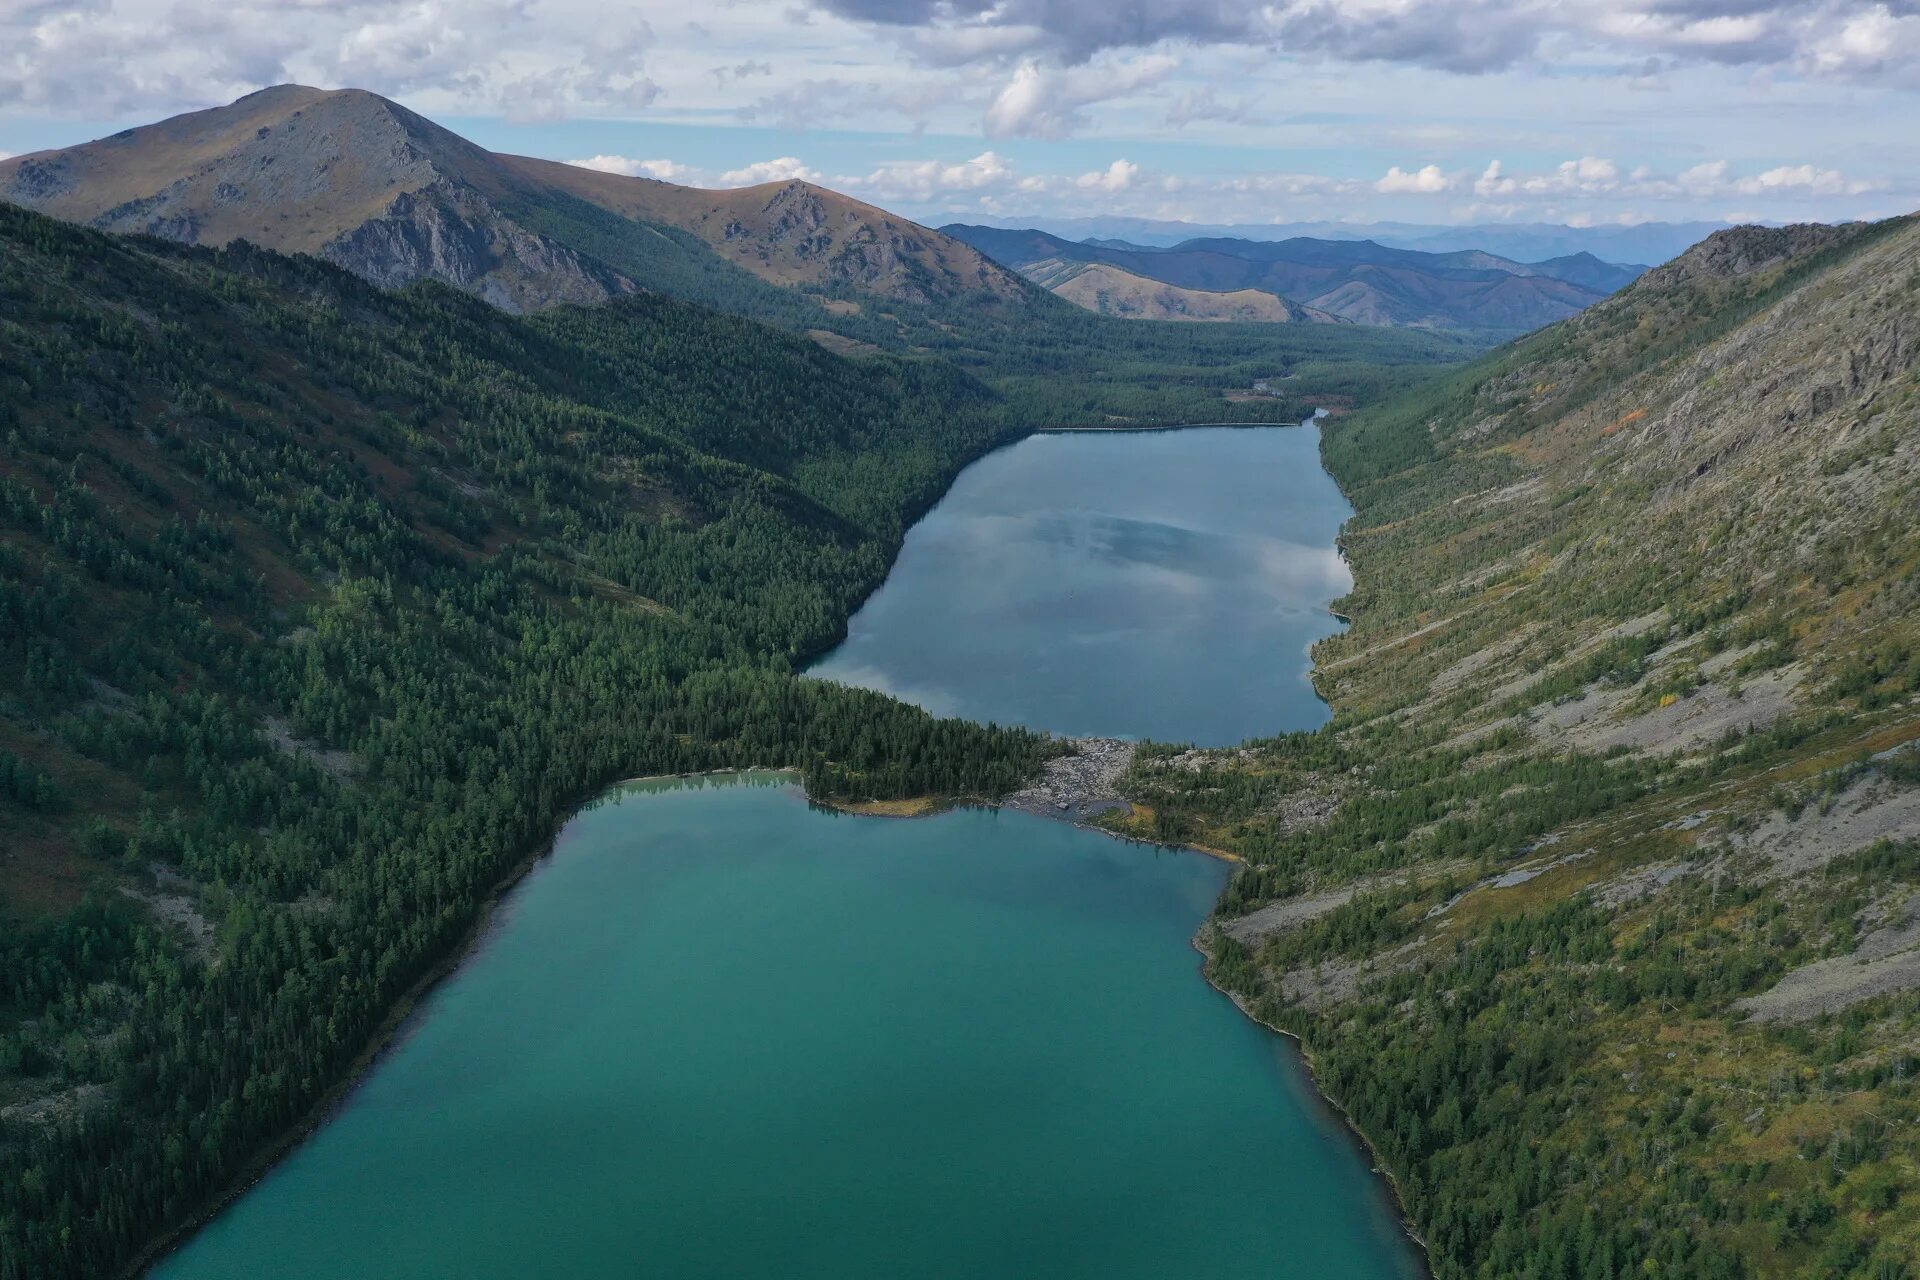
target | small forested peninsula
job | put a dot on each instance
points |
(1595, 906)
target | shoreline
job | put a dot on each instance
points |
(388, 1030)
(1375, 1165)
(1171, 426)
(390, 1026)
(385, 1032)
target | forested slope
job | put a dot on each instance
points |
(320, 606)
(1598, 905)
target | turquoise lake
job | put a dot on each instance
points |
(1164, 584)
(722, 1033)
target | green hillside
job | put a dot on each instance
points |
(1596, 904)
(322, 606)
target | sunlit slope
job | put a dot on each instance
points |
(1596, 903)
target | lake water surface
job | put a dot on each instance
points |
(1164, 584)
(722, 1034)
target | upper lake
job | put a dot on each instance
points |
(1164, 585)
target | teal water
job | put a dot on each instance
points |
(720, 1033)
(1166, 585)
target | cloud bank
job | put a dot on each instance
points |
(1846, 37)
(1187, 108)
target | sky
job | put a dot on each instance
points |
(1216, 111)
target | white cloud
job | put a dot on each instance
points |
(958, 46)
(1292, 184)
(782, 169)
(1041, 101)
(1867, 43)
(1800, 177)
(722, 76)
(785, 169)
(926, 179)
(1590, 172)
(1588, 191)
(1205, 103)
(664, 170)
(1844, 37)
(1803, 98)
(1117, 176)
(1589, 175)
(1426, 180)
(1592, 177)
(520, 58)
(1494, 182)
(1703, 179)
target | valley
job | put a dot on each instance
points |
(327, 602)
(372, 502)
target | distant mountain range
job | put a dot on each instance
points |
(1322, 281)
(1649, 242)
(369, 185)
(1114, 292)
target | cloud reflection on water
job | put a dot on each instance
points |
(1160, 585)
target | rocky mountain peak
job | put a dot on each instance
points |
(352, 177)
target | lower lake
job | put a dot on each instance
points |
(1163, 584)
(722, 1033)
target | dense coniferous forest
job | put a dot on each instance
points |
(321, 606)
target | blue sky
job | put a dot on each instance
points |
(1583, 111)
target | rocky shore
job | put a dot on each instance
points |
(1079, 786)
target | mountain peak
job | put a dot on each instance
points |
(289, 167)
(358, 179)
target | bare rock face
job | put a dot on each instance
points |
(1082, 784)
(1742, 251)
(36, 179)
(457, 237)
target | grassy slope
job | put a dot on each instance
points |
(1637, 611)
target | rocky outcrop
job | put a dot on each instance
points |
(1081, 784)
(36, 179)
(457, 237)
(1742, 251)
